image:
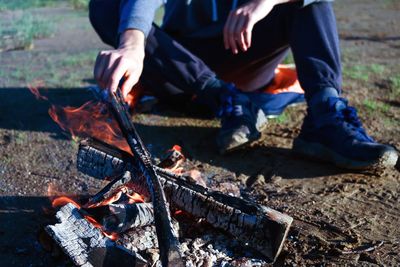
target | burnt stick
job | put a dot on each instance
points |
(109, 189)
(170, 251)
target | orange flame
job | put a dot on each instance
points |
(34, 90)
(61, 201)
(112, 236)
(132, 197)
(135, 198)
(92, 119)
(58, 201)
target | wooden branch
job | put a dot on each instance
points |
(170, 251)
(86, 245)
(259, 227)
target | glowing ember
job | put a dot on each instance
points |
(178, 212)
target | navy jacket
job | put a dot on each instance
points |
(190, 18)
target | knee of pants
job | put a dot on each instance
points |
(104, 17)
(321, 8)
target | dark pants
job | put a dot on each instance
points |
(176, 65)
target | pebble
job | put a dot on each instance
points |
(276, 179)
(21, 250)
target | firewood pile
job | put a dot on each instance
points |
(132, 214)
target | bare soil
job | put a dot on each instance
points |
(341, 217)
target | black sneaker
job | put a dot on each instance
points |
(336, 135)
(241, 122)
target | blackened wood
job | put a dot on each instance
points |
(260, 227)
(121, 217)
(86, 245)
(107, 192)
(170, 251)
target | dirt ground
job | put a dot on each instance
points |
(341, 217)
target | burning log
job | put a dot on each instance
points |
(257, 226)
(86, 245)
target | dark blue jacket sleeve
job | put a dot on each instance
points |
(138, 14)
(307, 2)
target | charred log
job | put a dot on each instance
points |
(259, 227)
(86, 245)
(139, 239)
(121, 217)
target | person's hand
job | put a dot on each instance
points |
(239, 25)
(125, 62)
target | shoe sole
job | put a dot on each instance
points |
(252, 139)
(261, 126)
(276, 115)
(323, 153)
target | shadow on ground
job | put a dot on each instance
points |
(20, 110)
(21, 221)
(269, 160)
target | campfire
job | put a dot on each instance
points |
(151, 215)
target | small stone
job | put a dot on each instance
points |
(21, 250)
(243, 178)
(276, 179)
(257, 179)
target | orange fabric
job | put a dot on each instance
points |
(285, 81)
(134, 95)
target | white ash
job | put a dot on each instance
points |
(210, 249)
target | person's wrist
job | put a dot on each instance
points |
(132, 39)
(277, 2)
